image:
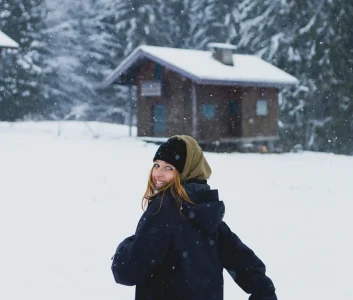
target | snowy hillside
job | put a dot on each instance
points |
(71, 192)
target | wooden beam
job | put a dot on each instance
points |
(194, 111)
(131, 95)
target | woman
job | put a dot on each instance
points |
(181, 245)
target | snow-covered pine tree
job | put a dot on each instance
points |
(130, 23)
(214, 21)
(135, 20)
(299, 37)
(68, 85)
(22, 71)
(174, 23)
(336, 134)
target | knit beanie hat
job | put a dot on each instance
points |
(191, 162)
(173, 151)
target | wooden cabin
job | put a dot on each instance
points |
(215, 96)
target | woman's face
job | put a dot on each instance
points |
(162, 173)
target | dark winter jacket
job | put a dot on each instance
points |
(172, 256)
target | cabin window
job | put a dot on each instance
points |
(262, 108)
(150, 88)
(208, 111)
(158, 72)
(233, 107)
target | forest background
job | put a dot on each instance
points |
(67, 49)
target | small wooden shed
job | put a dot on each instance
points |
(6, 42)
(214, 96)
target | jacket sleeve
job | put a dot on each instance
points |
(138, 255)
(247, 270)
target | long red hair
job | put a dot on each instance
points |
(175, 186)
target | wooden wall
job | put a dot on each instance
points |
(224, 125)
(253, 125)
(144, 104)
(178, 103)
(176, 97)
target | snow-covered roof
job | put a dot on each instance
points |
(202, 68)
(7, 42)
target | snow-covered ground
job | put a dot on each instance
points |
(70, 192)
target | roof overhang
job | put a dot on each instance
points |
(6, 42)
(126, 72)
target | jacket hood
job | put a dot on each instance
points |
(208, 211)
(196, 165)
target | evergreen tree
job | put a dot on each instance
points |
(135, 22)
(174, 23)
(130, 24)
(299, 37)
(70, 58)
(22, 71)
(214, 21)
(336, 134)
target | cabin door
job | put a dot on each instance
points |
(159, 120)
(234, 110)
